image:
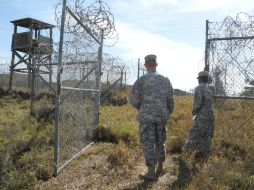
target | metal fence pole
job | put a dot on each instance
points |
(98, 82)
(57, 101)
(50, 58)
(125, 80)
(121, 83)
(207, 45)
(107, 80)
(33, 73)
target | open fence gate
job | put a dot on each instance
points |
(78, 88)
(229, 58)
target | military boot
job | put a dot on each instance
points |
(150, 175)
(159, 170)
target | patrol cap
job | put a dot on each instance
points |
(202, 74)
(150, 57)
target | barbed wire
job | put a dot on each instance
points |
(241, 25)
(95, 15)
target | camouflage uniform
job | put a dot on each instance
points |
(152, 95)
(200, 136)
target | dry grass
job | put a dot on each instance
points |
(116, 166)
(179, 124)
(24, 145)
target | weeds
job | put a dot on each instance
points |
(121, 156)
(26, 146)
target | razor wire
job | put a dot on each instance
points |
(95, 16)
(231, 54)
(112, 69)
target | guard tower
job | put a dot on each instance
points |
(32, 48)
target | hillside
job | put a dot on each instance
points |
(26, 151)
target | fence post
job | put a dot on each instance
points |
(50, 59)
(33, 73)
(98, 83)
(125, 80)
(57, 101)
(121, 84)
(107, 80)
(207, 45)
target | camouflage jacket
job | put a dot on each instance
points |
(203, 99)
(152, 95)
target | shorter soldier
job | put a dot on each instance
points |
(203, 118)
(152, 95)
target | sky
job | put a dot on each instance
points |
(174, 30)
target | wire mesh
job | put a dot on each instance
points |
(77, 122)
(77, 109)
(41, 66)
(44, 94)
(234, 114)
(113, 69)
(80, 74)
(231, 46)
(231, 55)
(4, 72)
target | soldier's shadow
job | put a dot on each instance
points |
(184, 176)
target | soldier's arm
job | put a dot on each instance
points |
(135, 98)
(170, 99)
(198, 99)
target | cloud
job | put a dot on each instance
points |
(225, 6)
(178, 61)
(201, 5)
(176, 6)
(158, 2)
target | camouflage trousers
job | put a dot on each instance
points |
(200, 135)
(153, 137)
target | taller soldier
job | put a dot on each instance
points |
(152, 95)
(200, 136)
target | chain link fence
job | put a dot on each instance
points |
(44, 87)
(4, 72)
(84, 29)
(68, 81)
(20, 80)
(231, 55)
(230, 60)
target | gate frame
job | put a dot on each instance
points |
(59, 87)
(207, 50)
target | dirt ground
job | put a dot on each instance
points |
(94, 171)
